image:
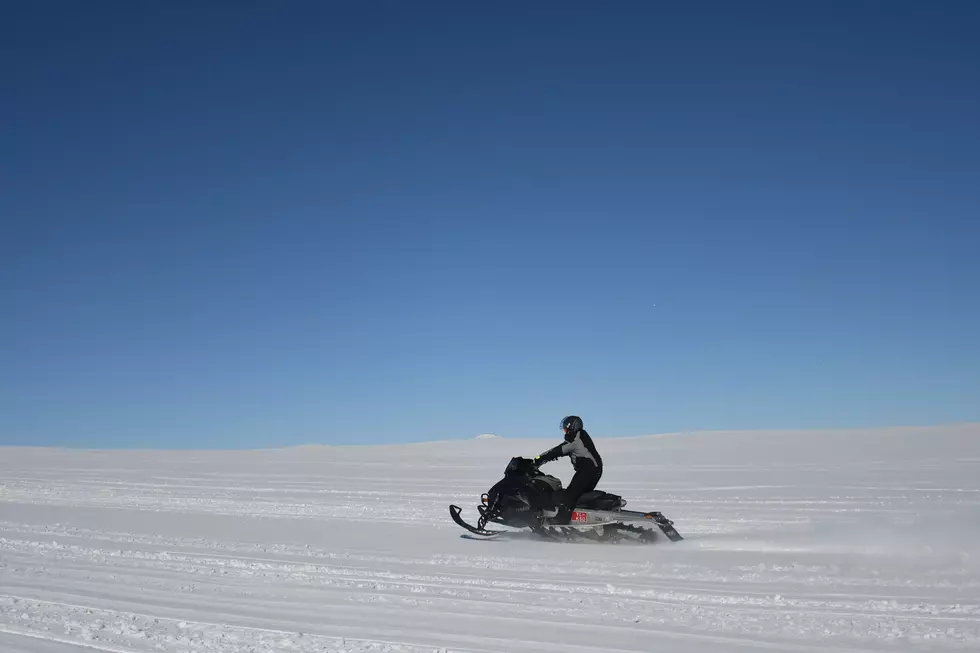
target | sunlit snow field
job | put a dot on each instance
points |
(818, 540)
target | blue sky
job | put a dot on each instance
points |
(256, 224)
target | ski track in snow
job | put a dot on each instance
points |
(858, 541)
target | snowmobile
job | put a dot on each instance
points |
(528, 498)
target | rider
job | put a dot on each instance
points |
(585, 459)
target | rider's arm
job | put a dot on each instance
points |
(554, 453)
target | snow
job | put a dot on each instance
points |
(796, 541)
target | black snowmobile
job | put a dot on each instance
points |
(528, 498)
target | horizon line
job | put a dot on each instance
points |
(485, 437)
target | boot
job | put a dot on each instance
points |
(564, 516)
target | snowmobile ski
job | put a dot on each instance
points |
(455, 510)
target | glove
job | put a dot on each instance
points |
(542, 459)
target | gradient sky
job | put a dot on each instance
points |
(240, 224)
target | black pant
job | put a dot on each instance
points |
(585, 479)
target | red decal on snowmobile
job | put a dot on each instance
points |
(579, 516)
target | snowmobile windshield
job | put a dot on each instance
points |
(518, 467)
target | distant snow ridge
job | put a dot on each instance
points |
(486, 436)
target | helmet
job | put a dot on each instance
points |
(572, 423)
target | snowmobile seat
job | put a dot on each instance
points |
(599, 500)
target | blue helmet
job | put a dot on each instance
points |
(572, 423)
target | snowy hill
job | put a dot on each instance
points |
(811, 540)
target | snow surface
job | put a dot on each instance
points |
(844, 540)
